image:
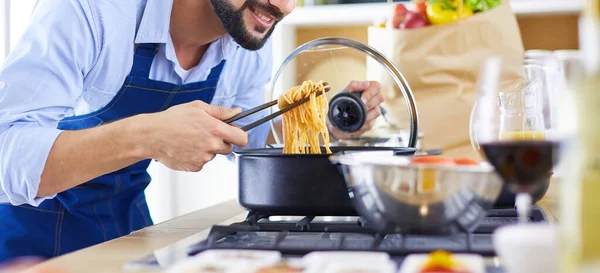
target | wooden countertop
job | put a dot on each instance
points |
(111, 256)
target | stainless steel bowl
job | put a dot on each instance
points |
(395, 196)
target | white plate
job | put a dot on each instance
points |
(414, 262)
(339, 261)
(193, 266)
(254, 257)
(356, 256)
(358, 267)
(229, 261)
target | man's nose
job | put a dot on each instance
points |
(285, 6)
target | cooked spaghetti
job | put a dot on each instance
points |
(303, 125)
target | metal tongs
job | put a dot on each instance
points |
(271, 116)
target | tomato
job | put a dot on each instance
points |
(432, 159)
(397, 20)
(400, 9)
(400, 12)
(465, 161)
(413, 20)
(421, 7)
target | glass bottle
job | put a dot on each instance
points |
(579, 216)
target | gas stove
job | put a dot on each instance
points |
(295, 236)
(301, 235)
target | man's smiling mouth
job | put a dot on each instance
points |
(262, 17)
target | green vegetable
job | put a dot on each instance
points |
(446, 4)
(482, 5)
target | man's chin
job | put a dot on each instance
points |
(257, 37)
(251, 45)
(252, 37)
(251, 41)
(257, 33)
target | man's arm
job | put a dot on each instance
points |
(43, 78)
(184, 137)
(79, 156)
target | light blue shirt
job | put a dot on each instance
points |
(73, 59)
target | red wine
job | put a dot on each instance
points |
(525, 164)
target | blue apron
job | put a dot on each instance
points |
(111, 205)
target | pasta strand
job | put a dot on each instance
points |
(305, 124)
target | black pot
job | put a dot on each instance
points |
(309, 184)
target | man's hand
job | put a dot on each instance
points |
(187, 136)
(372, 97)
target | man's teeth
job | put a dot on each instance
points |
(265, 18)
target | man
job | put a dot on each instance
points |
(94, 90)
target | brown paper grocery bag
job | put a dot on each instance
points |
(442, 65)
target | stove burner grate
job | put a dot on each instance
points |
(259, 232)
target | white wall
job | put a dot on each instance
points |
(174, 193)
(4, 29)
(171, 193)
(20, 11)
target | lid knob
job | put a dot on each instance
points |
(347, 112)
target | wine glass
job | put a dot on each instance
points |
(545, 59)
(572, 68)
(513, 129)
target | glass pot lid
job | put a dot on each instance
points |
(338, 61)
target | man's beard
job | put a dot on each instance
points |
(233, 21)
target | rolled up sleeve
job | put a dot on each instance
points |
(40, 82)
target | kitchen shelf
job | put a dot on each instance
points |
(367, 13)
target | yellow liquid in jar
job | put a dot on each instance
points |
(533, 135)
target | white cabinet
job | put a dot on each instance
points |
(173, 193)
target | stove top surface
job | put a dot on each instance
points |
(299, 236)
(295, 236)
